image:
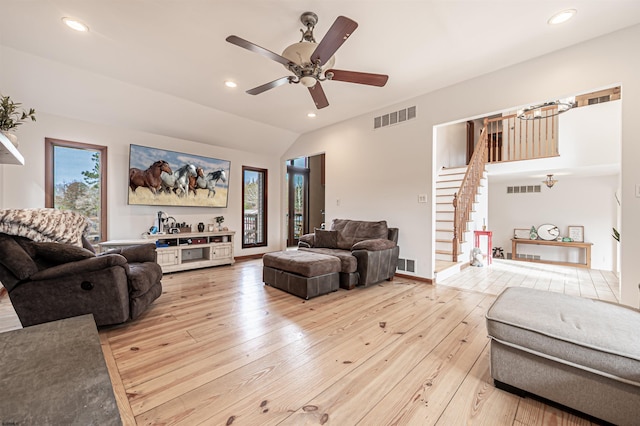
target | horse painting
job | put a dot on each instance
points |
(193, 180)
(149, 178)
(211, 180)
(178, 180)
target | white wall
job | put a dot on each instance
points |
(587, 201)
(23, 186)
(378, 174)
(451, 145)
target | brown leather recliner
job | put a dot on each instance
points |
(48, 281)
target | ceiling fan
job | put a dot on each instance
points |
(312, 62)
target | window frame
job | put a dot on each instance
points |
(49, 190)
(265, 172)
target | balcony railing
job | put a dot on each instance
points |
(510, 138)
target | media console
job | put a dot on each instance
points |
(180, 252)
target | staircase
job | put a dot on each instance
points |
(456, 194)
(447, 184)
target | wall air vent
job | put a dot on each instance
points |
(395, 117)
(523, 189)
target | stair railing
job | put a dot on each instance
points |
(463, 199)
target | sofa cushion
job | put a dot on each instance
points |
(374, 245)
(57, 253)
(348, 262)
(353, 231)
(326, 239)
(15, 259)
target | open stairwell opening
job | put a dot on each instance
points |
(461, 207)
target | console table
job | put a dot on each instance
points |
(476, 242)
(55, 373)
(574, 244)
(183, 251)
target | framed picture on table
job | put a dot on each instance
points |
(576, 233)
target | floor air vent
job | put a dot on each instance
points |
(395, 117)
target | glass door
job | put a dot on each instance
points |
(298, 180)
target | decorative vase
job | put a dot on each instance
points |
(200, 227)
(11, 136)
(212, 227)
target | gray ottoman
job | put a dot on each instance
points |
(581, 353)
(301, 273)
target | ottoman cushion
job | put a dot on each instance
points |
(588, 334)
(348, 262)
(302, 263)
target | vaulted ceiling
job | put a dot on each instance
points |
(160, 66)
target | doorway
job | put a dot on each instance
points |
(305, 198)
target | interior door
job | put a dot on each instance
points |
(298, 179)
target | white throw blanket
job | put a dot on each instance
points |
(44, 225)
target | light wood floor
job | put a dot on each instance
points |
(220, 348)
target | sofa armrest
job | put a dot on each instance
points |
(80, 267)
(136, 254)
(374, 245)
(376, 266)
(307, 240)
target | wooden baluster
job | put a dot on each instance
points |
(454, 242)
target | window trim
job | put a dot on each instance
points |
(49, 190)
(264, 203)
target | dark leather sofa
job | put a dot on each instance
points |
(368, 251)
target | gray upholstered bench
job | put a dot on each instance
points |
(580, 353)
(301, 273)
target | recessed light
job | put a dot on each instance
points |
(311, 115)
(230, 83)
(74, 24)
(561, 17)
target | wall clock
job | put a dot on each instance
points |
(548, 232)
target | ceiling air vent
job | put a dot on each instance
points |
(395, 117)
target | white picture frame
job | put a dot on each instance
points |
(522, 233)
(576, 233)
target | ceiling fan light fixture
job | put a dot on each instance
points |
(308, 81)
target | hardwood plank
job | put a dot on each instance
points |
(532, 413)
(126, 414)
(478, 401)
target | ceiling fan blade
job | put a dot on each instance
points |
(334, 38)
(257, 49)
(270, 85)
(319, 98)
(359, 77)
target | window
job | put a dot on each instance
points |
(76, 179)
(254, 208)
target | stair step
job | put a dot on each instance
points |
(444, 220)
(450, 253)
